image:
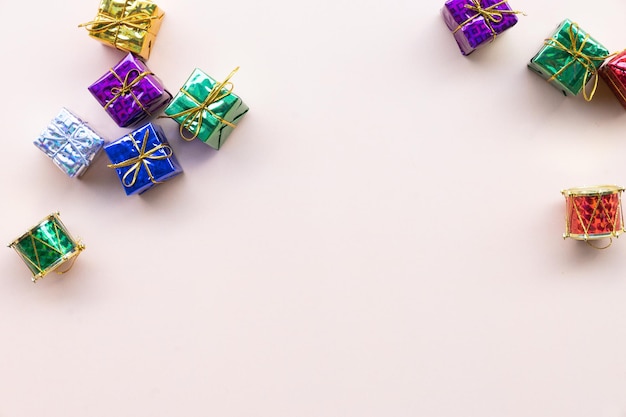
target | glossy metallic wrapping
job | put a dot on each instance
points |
(70, 143)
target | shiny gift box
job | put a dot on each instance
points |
(208, 110)
(70, 143)
(613, 73)
(129, 92)
(475, 23)
(142, 159)
(569, 59)
(128, 25)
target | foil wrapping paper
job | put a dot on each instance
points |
(129, 92)
(564, 70)
(613, 72)
(593, 212)
(472, 30)
(70, 143)
(212, 130)
(146, 159)
(128, 25)
(46, 246)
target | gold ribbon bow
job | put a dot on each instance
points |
(142, 159)
(127, 87)
(490, 14)
(196, 114)
(576, 51)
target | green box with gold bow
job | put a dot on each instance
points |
(570, 59)
(206, 109)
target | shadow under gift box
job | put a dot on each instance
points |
(142, 159)
(472, 29)
(127, 25)
(70, 143)
(47, 246)
(129, 92)
(210, 121)
(569, 58)
(613, 73)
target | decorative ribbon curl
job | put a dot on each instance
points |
(127, 87)
(490, 14)
(196, 114)
(79, 248)
(142, 159)
(576, 51)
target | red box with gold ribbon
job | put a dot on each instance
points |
(613, 72)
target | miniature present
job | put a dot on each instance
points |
(475, 23)
(128, 25)
(70, 143)
(613, 73)
(47, 246)
(206, 109)
(129, 92)
(142, 159)
(570, 59)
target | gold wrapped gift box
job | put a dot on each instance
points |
(128, 25)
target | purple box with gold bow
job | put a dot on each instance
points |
(142, 159)
(475, 23)
(70, 143)
(130, 92)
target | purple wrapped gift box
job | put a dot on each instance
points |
(475, 23)
(129, 92)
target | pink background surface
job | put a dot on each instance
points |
(381, 235)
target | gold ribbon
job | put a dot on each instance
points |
(127, 87)
(196, 114)
(490, 14)
(576, 51)
(135, 21)
(79, 248)
(140, 160)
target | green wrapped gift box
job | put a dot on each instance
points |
(569, 59)
(206, 109)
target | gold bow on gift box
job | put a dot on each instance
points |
(127, 86)
(141, 160)
(490, 15)
(128, 25)
(587, 61)
(195, 115)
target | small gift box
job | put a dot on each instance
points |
(207, 109)
(128, 25)
(70, 143)
(475, 23)
(129, 92)
(570, 59)
(142, 159)
(614, 74)
(46, 246)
